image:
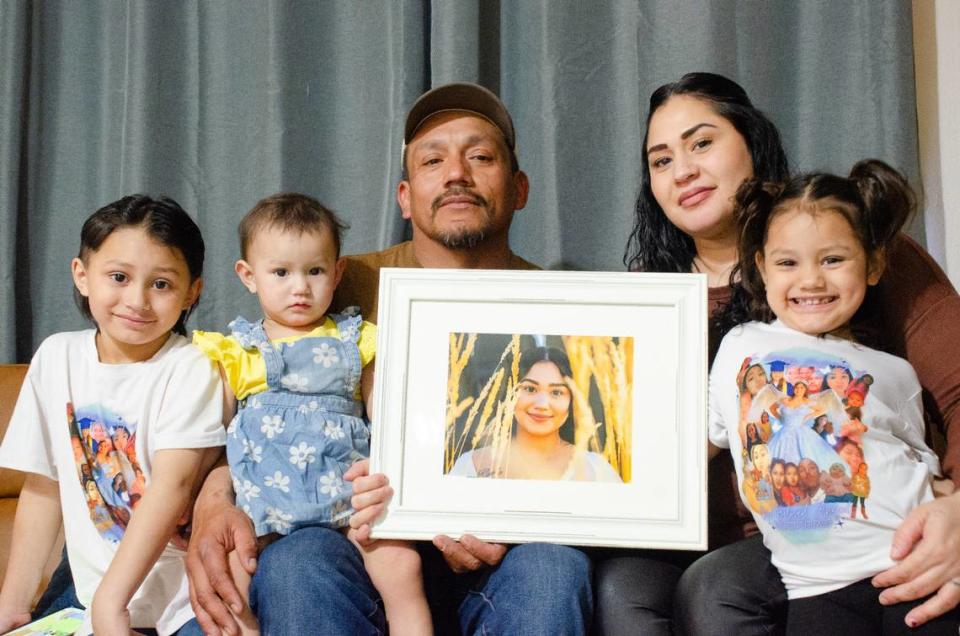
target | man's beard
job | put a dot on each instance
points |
(464, 238)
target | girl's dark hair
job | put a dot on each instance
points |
(162, 219)
(530, 357)
(656, 244)
(875, 199)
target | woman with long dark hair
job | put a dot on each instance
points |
(540, 446)
(704, 138)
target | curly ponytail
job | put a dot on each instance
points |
(888, 202)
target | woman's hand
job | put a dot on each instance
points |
(469, 553)
(927, 546)
(370, 496)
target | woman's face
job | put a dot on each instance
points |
(697, 160)
(761, 458)
(838, 380)
(851, 454)
(777, 475)
(793, 477)
(752, 432)
(756, 379)
(800, 389)
(120, 438)
(543, 400)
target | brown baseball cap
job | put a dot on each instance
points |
(471, 98)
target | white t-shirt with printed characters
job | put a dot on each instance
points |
(94, 428)
(828, 441)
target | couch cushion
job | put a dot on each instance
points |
(11, 377)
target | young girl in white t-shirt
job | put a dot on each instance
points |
(115, 425)
(809, 250)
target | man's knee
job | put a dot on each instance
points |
(547, 562)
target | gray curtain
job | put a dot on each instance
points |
(218, 103)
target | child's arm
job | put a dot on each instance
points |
(366, 389)
(35, 531)
(150, 527)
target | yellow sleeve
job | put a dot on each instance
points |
(244, 370)
(367, 343)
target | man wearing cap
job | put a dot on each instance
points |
(461, 186)
(460, 200)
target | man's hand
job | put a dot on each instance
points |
(218, 528)
(927, 546)
(370, 496)
(470, 553)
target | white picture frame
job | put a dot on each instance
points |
(664, 503)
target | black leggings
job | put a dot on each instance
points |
(855, 609)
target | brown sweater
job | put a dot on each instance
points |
(913, 313)
(361, 280)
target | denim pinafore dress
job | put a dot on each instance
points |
(289, 446)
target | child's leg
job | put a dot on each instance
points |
(850, 610)
(246, 619)
(394, 569)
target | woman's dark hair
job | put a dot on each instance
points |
(656, 244)
(162, 219)
(530, 357)
(875, 199)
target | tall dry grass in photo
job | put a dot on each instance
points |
(609, 363)
(490, 418)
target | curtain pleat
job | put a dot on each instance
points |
(218, 103)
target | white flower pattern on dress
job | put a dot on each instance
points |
(251, 450)
(333, 430)
(249, 490)
(331, 484)
(272, 425)
(302, 455)
(295, 382)
(312, 405)
(278, 480)
(278, 519)
(325, 355)
(348, 332)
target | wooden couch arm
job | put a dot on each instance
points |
(11, 377)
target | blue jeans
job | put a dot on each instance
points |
(313, 581)
(538, 588)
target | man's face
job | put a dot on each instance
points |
(460, 189)
(809, 475)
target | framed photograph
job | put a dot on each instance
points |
(565, 407)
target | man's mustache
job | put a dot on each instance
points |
(475, 198)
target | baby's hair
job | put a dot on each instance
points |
(875, 199)
(289, 211)
(162, 219)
